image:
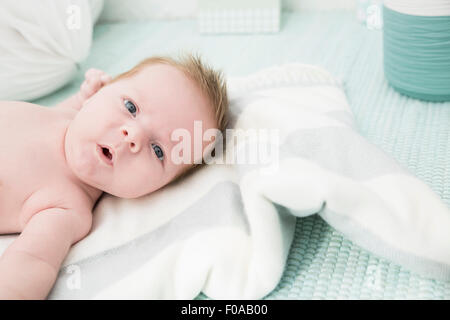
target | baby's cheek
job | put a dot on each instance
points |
(87, 118)
(83, 160)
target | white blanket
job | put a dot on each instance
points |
(226, 230)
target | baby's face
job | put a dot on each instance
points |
(120, 141)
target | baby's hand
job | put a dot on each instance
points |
(94, 80)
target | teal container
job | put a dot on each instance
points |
(417, 54)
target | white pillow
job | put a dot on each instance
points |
(42, 43)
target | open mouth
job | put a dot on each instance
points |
(106, 154)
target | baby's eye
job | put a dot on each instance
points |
(158, 151)
(131, 107)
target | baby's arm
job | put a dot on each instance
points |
(29, 266)
(94, 80)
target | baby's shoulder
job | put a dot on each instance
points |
(65, 196)
(20, 106)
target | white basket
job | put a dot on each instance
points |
(232, 17)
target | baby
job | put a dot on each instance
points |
(113, 136)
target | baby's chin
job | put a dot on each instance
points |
(121, 189)
(122, 194)
(126, 193)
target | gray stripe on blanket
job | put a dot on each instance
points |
(338, 149)
(341, 150)
(99, 271)
(373, 243)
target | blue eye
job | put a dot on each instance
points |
(158, 151)
(131, 107)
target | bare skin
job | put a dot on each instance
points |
(53, 168)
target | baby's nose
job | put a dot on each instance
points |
(133, 136)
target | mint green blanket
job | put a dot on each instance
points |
(322, 263)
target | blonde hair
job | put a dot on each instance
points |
(211, 82)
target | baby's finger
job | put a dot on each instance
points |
(98, 80)
(89, 73)
(95, 83)
(92, 72)
(92, 80)
(105, 78)
(87, 90)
